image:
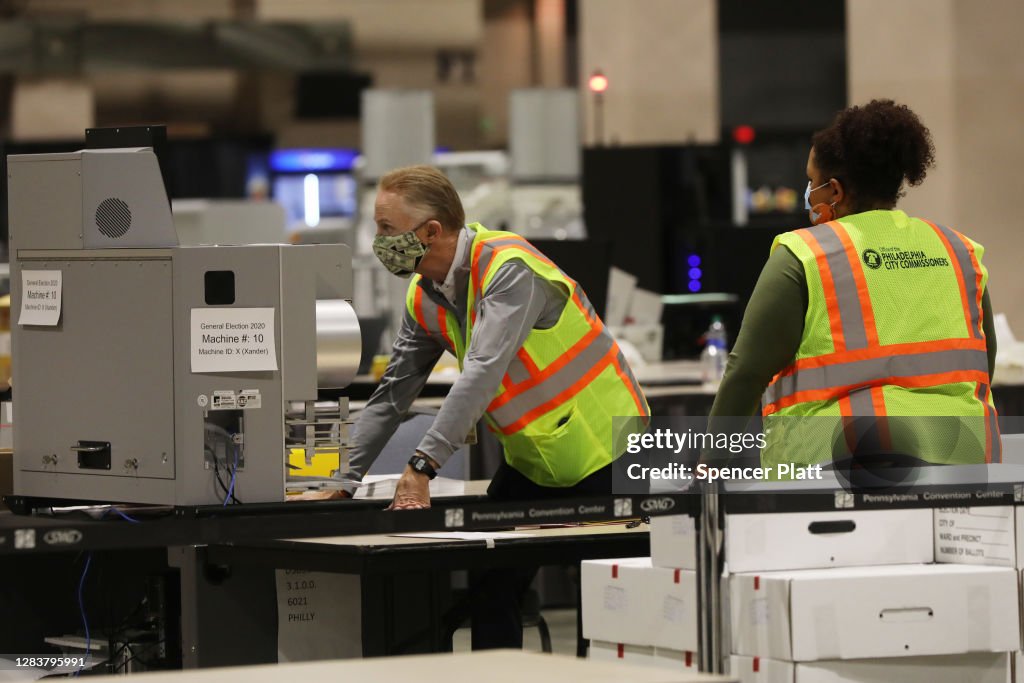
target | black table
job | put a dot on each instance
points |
(229, 605)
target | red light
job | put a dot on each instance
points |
(743, 134)
(598, 82)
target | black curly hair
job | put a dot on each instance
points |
(871, 149)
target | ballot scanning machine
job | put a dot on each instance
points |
(148, 372)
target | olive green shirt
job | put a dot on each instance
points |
(773, 327)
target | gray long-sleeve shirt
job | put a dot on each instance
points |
(515, 302)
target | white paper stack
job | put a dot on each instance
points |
(384, 485)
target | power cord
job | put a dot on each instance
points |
(220, 482)
(234, 471)
(81, 609)
(126, 517)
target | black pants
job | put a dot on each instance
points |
(497, 594)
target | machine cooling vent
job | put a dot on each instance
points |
(113, 217)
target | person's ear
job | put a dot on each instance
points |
(838, 191)
(434, 230)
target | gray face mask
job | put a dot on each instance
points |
(401, 254)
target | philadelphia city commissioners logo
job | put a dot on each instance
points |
(872, 259)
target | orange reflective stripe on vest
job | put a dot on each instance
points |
(912, 382)
(442, 324)
(432, 318)
(481, 263)
(417, 307)
(871, 371)
(839, 276)
(968, 274)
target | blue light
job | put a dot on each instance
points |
(312, 160)
(694, 285)
(693, 261)
(695, 273)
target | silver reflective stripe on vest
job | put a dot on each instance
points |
(850, 315)
(588, 308)
(864, 372)
(963, 258)
(864, 433)
(566, 377)
(517, 371)
(629, 373)
(861, 403)
(992, 425)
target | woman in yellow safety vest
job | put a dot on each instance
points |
(871, 331)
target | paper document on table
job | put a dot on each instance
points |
(645, 307)
(621, 286)
(466, 535)
(383, 486)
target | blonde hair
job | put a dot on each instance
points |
(427, 188)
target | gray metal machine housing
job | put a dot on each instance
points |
(107, 407)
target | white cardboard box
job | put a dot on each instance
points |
(620, 652)
(980, 667)
(629, 601)
(673, 607)
(978, 535)
(841, 538)
(676, 659)
(882, 611)
(674, 542)
(1019, 535)
(615, 602)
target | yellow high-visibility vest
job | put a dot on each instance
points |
(893, 332)
(555, 411)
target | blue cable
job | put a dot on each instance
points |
(234, 471)
(124, 516)
(81, 608)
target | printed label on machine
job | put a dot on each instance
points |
(318, 616)
(223, 400)
(247, 399)
(40, 297)
(233, 340)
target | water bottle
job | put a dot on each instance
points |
(715, 354)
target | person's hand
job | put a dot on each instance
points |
(412, 492)
(330, 494)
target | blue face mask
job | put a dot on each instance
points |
(808, 191)
(816, 216)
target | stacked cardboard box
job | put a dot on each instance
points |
(983, 535)
(833, 597)
(973, 668)
(853, 596)
(636, 612)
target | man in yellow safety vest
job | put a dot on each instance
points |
(536, 363)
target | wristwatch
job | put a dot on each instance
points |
(422, 465)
